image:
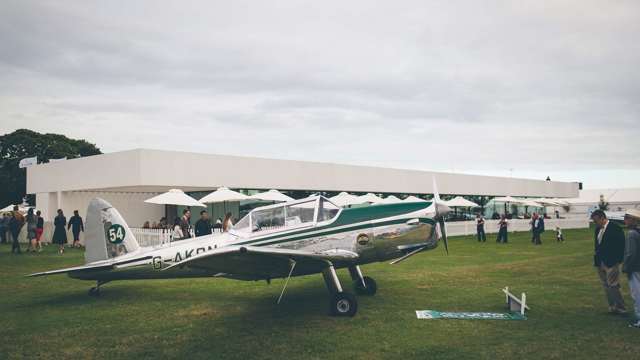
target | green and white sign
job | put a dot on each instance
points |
(432, 314)
(116, 234)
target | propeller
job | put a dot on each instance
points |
(441, 209)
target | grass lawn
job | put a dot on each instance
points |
(52, 317)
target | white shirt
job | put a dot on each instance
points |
(601, 232)
(177, 232)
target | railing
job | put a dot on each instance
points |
(157, 237)
(491, 226)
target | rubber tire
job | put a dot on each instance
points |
(343, 304)
(370, 289)
(94, 291)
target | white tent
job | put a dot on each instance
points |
(459, 201)
(223, 194)
(345, 199)
(391, 199)
(414, 199)
(174, 197)
(370, 198)
(271, 195)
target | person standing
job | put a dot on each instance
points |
(32, 223)
(15, 225)
(60, 232)
(203, 225)
(227, 223)
(185, 223)
(177, 230)
(4, 227)
(482, 237)
(39, 230)
(609, 253)
(631, 265)
(502, 230)
(537, 227)
(76, 225)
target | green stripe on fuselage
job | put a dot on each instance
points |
(348, 216)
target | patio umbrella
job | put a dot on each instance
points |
(414, 199)
(345, 199)
(507, 200)
(223, 195)
(370, 198)
(459, 201)
(271, 195)
(174, 197)
(391, 199)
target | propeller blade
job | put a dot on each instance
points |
(443, 228)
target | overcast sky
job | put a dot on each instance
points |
(513, 88)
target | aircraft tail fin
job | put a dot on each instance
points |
(107, 235)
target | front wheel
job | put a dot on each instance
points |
(369, 288)
(343, 304)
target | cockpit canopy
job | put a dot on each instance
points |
(292, 214)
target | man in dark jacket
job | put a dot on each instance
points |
(15, 225)
(203, 225)
(609, 253)
(631, 265)
(76, 225)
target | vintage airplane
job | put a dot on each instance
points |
(296, 238)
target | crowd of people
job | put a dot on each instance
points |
(536, 223)
(181, 227)
(12, 223)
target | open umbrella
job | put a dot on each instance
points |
(271, 195)
(391, 199)
(223, 195)
(414, 199)
(174, 197)
(370, 198)
(345, 199)
(459, 201)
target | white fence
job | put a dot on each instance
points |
(491, 226)
(156, 237)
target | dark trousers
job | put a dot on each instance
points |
(3, 235)
(15, 245)
(502, 236)
(481, 235)
(535, 239)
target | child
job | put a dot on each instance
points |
(559, 237)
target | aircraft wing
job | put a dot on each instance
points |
(255, 263)
(72, 269)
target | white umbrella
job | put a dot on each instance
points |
(508, 199)
(459, 201)
(8, 208)
(271, 195)
(527, 202)
(345, 199)
(370, 198)
(391, 199)
(546, 202)
(223, 194)
(414, 199)
(174, 197)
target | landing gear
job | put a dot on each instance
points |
(363, 285)
(95, 291)
(341, 303)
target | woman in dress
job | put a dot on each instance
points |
(227, 223)
(177, 230)
(60, 231)
(32, 222)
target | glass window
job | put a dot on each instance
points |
(327, 210)
(242, 225)
(267, 219)
(301, 213)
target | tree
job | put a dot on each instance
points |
(25, 143)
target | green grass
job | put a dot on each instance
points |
(52, 317)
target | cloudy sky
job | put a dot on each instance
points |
(513, 88)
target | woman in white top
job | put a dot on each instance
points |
(177, 230)
(227, 223)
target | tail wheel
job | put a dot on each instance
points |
(369, 288)
(343, 304)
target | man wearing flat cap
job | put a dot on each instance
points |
(609, 254)
(631, 265)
